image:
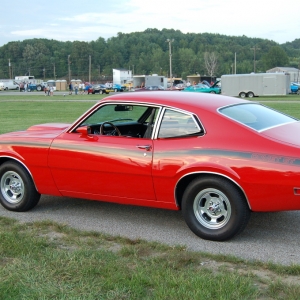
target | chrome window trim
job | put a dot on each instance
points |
(160, 114)
(192, 115)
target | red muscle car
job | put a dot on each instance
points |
(216, 158)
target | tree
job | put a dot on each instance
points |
(276, 57)
(211, 63)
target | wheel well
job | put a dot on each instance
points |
(4, 159)
(185, 181)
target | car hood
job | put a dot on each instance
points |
(287, 133)
(49, 131)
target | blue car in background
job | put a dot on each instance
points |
(118, 88)
(295, 88)
(204, 88)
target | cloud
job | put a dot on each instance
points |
(64, 20)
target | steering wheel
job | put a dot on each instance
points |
(116, 130)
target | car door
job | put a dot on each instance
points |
(102, 166)
(176, 136)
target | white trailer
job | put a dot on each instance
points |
(254, 85)
(149, 80)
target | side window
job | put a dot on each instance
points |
(177, 124)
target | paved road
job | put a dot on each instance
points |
(268, 236)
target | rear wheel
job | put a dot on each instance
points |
(212, 92)
(17, 190)
(250, 95)
(116, 90)
(214, 208)
(242, 94)
(39, 88)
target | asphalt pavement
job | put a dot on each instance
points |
(269, 237)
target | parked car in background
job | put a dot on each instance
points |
(150, 88)
(118, 88)
(203, 88)
(295, 88)
(97, 89)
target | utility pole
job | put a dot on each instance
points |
(89, 68)
(9, 70)
(170, 53)
(69, 69)
(54, 71)
(235, 63)
(44, 71)
(254, 49)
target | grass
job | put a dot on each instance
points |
(46, 260)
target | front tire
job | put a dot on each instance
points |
(17, 190)
(214, 208)
(242, 94)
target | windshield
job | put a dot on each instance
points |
(256, 116)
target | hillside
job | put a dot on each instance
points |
(144, 52)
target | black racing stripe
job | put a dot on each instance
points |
(264, 157)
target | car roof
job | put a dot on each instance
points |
(185, 101)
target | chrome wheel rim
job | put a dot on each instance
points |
(12, 187)
(212, 208)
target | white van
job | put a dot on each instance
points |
(11, 85)
(1, 86)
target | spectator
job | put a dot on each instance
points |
(46, 90)
(76, 88)
(82, 88)
(70, 88)
(51, 90)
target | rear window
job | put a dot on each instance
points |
(256, 116)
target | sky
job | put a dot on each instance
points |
(88, 20)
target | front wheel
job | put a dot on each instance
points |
(214, 208)
(17, 190)
(212, 92)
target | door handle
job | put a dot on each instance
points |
(144, 147)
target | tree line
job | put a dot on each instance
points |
(145, 53)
